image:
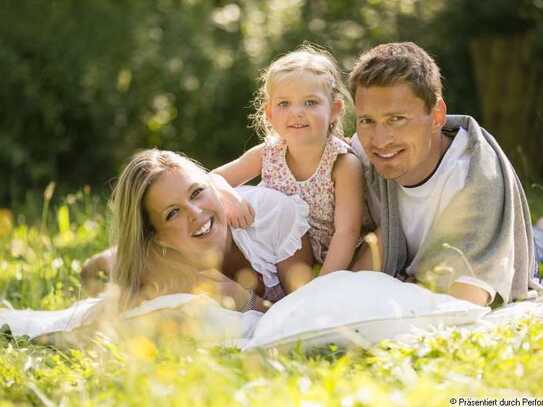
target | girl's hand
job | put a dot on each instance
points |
(239, 213)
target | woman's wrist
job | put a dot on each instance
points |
(252, 302)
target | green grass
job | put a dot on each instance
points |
(39, 268)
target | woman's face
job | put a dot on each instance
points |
(186, 213)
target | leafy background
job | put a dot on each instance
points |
(85, 84)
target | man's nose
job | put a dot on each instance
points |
(383, 136)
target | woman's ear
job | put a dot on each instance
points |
(337, 109)
(268, 110)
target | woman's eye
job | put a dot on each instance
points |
(196, 193)
(171, 214)
(283, 103)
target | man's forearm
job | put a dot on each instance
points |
(469, 292)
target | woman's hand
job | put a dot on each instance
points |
(96, 270)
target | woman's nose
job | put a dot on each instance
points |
(193, 212)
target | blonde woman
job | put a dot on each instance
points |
(171, 235)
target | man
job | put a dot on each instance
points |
(450, 210)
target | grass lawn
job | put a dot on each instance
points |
(40, 263)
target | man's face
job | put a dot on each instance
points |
(401, 138)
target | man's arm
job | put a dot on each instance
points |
(469, 292)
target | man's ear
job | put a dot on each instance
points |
(439, 115)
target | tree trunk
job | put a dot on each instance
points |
(509, 81)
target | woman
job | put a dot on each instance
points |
(171, 235)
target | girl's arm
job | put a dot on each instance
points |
(243, 169)
(348, 178)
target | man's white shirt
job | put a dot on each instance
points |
(421, 205)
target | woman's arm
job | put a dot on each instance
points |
(348, 180)
(225, 291)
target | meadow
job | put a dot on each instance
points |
(42, 249)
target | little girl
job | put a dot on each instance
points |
(299, 109)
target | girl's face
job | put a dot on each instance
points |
(300, 109)
(186, 213)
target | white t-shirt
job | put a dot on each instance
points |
(276, 234)
(420, 205)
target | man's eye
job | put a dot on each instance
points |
(398, 119)
(171, 214)
(196, 193)
(364, 121)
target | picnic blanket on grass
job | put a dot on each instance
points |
(345, 308)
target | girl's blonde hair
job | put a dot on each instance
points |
(132, 231)
(306, 58)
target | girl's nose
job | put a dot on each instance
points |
(297, 110)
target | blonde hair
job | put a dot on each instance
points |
(307, 58)
(132, 231)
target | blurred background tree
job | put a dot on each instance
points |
(85, 84)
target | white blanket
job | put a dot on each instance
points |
(345, 308)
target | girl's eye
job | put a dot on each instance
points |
(196, 193)
(311, 102)
(171, 214)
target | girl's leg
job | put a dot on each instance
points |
(369, 256)
(295, 271)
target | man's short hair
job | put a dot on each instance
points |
(390, 64)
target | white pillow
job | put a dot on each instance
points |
(358, 308)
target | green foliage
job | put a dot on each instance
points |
(85, 84)
(39, 268)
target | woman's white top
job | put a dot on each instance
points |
(276, 234)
